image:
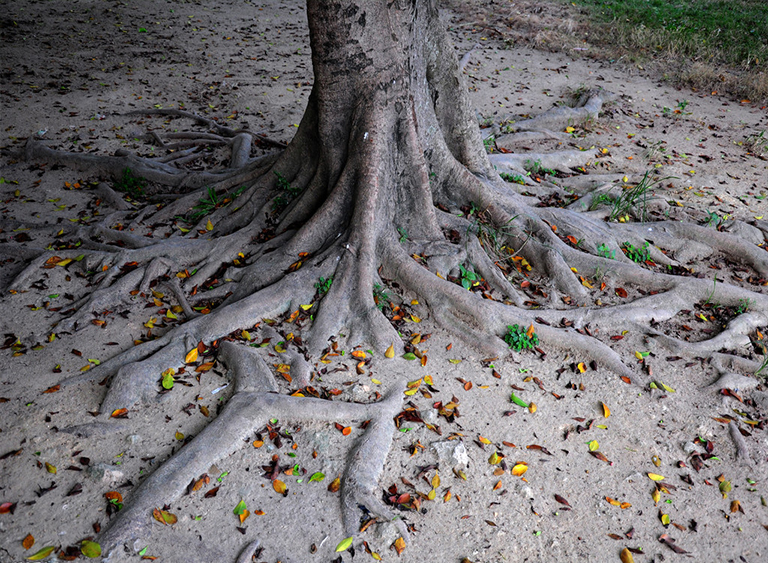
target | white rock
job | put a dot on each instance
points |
(452, 452)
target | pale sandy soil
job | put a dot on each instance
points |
(69, 70)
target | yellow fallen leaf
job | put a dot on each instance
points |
(519, 468)
(655, 477)
(390, 353)
(191, 356)
(209, 225)
(626, 556)
(656, 495)
(606, 410)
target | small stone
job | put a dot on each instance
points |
(105, 473)
(690, 448)
(452, 452)
(387, 533)
(428, 415)
(133, 439)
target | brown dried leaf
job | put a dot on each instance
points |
(334, 486)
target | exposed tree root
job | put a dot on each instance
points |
(254, 402)
(395, 188)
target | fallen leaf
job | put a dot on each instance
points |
(28, 542)
(519, 469)
(164, 517)
(390, 353)
(626, 556)
(606, 410)
(50, 468)
(399, 545)
(344, 544)
(90, 549)
(334, 485)
(191, 356)
(42, 554)
(280, 487)
(655, 477)
(562, 500)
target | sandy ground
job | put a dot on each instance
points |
(68, 72)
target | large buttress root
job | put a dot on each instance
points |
(386, 179)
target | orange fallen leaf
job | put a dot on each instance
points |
(280, 487)
(399, 545)
(28, 542)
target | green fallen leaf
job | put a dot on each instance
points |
(518, 401)
(42, 554)
(90, 549)
(408, 356)
(318, 476)
(240, 508)
(344, 544)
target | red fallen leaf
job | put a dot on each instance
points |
(733, 394)
(670, 542)
(617, 337)
(537, 447)
(7, 507)
(561, 500)
(211, 493)
(626, 379)
(119, 413)
(52, 389)
(615, 537)
(621, 292)
(113, 495)
(572, 239)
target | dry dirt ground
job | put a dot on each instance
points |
(71, 70)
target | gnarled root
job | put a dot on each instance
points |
(250, 408)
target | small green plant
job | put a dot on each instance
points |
(762, 366)
(323, 285)
(468, 278)
(289, 193)
(212, 201)
(131, 184)
(403, 234)
(535, 168)
(712, 293)
(635, 254)
(681, 105)
(489, 143)
(600, 199)
(512, 178)
(606, 252)
(743, 307)
(517, 338)
(380, 297)
(634, 197)
(715, 220)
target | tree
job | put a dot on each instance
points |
(387, 164)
